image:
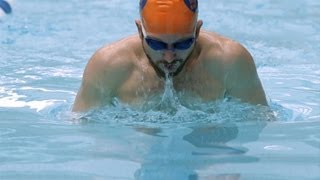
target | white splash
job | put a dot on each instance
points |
(278, 148)
(47, 90)
(10, 99)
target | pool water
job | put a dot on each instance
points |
(45, 45)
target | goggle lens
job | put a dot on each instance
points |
(159, 45)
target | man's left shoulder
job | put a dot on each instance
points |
(227, 54)
(218, 47)
(236, 52)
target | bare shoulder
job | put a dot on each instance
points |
(232, 63)
(113, 59)
(116, 54)
(106, 70)
(222, 56)
(225, 50)
(227, 56)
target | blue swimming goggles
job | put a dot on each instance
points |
(159, 45)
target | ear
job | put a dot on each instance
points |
(139, 27)
(199, 24)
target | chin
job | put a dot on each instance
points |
(171, 70)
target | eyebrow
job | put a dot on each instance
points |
(180, 40)
(155, 38)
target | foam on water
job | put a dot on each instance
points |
(172, 109)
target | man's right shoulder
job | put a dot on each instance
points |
(115, 59)
(118, 54)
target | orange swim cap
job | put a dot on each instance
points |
(169, 16)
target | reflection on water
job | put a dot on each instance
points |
(179, 154)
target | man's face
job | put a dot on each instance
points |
(168, 52)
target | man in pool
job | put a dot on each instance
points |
(169, 44)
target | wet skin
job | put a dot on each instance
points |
(131, 71)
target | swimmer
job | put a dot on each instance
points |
(169, 44)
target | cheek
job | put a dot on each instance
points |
(183, 54)
(154, 55)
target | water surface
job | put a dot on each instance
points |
(45, 45)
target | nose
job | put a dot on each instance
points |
(169, 55)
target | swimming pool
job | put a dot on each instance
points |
(45, 45)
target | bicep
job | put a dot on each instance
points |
(87, 97)
(243, 81)
(249, 90)
(103, 75)
(91, 91)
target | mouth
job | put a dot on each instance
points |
(171, 67)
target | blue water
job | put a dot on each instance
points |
(45, 45)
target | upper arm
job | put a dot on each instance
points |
(242, 79)
(89, 95)
(102, 76)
